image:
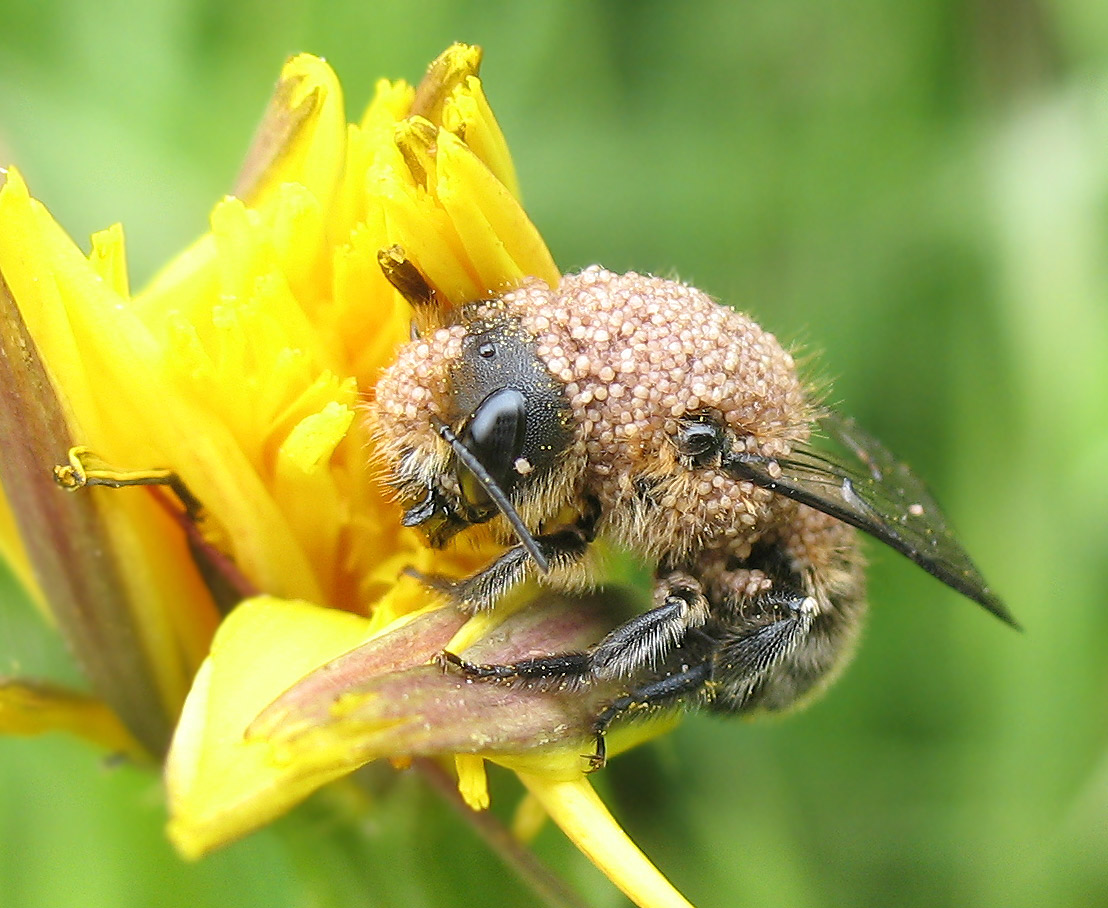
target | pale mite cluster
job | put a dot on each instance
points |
(634, 355)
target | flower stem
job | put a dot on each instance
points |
(548, 887)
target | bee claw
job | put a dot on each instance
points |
(598, 759)
(447, 660)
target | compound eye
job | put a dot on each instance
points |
(699, 440)
(495, 436)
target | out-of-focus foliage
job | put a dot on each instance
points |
(918, 193)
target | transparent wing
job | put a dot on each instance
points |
(875, 493)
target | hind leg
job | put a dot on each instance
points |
(663, 692)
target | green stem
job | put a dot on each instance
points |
(548, 887)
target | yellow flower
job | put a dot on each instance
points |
(236, 377)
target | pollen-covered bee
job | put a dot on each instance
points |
(637, 410)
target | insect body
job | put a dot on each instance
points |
(638, 410)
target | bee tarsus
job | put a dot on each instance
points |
(673, 688)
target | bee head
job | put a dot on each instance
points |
(473, 424)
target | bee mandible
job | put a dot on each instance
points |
(637, 410)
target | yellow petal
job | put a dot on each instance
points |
(35, 256)
(14, 554)
(359, 288)
(529, 818)
(221, 785)
(33, 709)
(415, 221)
(188, 276)
(392, 101)
(312, 442)
(416, 139)
(452, 67)
(498, 237)
(473, 783)
(582, 816)
(301, 137)
(312, 493)
(109, 259)
(467, 114)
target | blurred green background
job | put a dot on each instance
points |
(917, 191)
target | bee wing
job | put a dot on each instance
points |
(877, 494)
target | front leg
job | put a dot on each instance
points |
(559, 549)
(481, 591)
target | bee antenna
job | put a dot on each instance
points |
(410, 283)
(471, 463)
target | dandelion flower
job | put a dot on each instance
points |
(234, 601)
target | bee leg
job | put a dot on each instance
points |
(480, 591)
(641, 641)
(762, 661)
(657, 694)
(647, 638)
(783, 627)
(440, 583)
(779, 649)
(666, 691)
(544, 668)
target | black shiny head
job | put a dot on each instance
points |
(511, 412)
(508, 423)
(495, 435)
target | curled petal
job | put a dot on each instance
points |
(301, 136)
(67, 539)
(258, 735)
(451, 68)
(33, 708)
(220, 785)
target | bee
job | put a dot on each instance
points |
(638, 411)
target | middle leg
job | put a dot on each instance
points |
(643, 641)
